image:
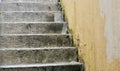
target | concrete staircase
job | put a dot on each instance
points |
(33, 37)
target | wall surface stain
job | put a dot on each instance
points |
(111, 10)
(95, 28)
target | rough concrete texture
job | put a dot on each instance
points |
(21, 41)
(27, 16)
(29, 7)
(32, 39)
(55, 1)
(49, 68)
(31, 28)
(13, 57)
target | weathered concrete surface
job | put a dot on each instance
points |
(36, 56)
(31, 28)
(70, 67)
(36, 41)
(27, 42)
(29, 7)
(28, 16)
(55, 1)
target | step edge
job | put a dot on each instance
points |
(29, 3)
(35, 34)
(34, 22)
(40, 48)
(31, 11)
(41, 65)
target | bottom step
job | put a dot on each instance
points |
(73, 66)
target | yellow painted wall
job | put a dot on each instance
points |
(88, 27)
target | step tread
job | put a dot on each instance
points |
(29, 7)
(41, 65)
(35, 40)
(13, 56)
(31, 28)
(31, 16)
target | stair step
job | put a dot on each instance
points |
(41, 65)
(31, 28)
(31, 16)
(15, 56)
(29, 7)
(66, 66)
(34, 40)
(42, 1)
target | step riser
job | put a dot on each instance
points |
(37, 28)
(13, 57)
(34, 41)
(52, 68)
(28, 7)
(31, 17)
(55, 1)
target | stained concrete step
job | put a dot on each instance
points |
(15, 56)
(29, 7)
(55, 1)
(31, 28)
(34, 40)
(31, 16)
(72, 66)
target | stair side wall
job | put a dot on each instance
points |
(95, 26)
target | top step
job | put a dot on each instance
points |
(41, 1)
(30, 7)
